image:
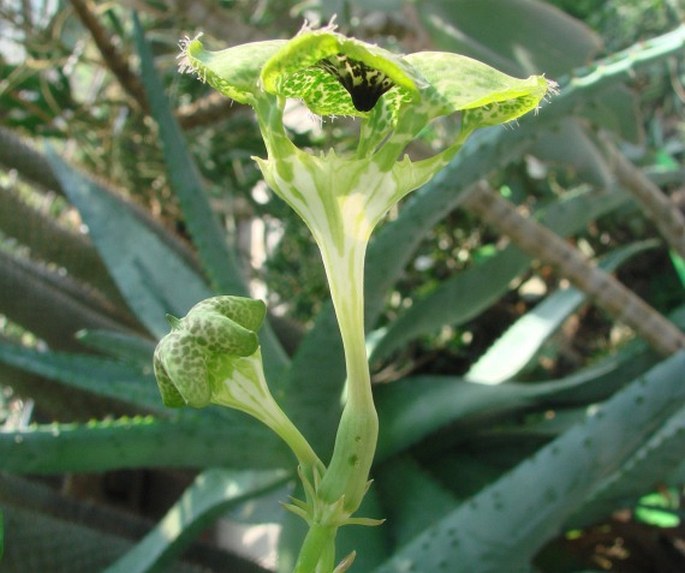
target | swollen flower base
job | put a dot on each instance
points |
(212, 355)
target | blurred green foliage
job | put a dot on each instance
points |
(102, 233)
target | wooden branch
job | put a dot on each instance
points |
(541, 243)
(113, 59)
(657, 206)
(210, 109)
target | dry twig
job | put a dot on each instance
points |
(114, 60)
(541, 243)
(657, 206)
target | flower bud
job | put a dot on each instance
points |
(213, 341)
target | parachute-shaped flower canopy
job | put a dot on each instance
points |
(337, 75)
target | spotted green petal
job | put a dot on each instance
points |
(171, 397)
(247, 312)
(296, 71)
(485, 95)
(219, 334)
(180, 366)
(235, 71)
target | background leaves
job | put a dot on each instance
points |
(127, 191)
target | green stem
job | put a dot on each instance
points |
(355, 443)
(246, 389)
(346, 480)
(317, 554)
(311, 465)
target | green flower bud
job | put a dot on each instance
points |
(216, 340)
(212, 356)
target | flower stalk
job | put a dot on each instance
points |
(341, 198)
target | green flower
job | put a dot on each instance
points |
(394, 96)
(342, 198)
(336, 75)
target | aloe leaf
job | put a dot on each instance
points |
(650, 465)
(52, 242)
(466, 471)
(518, 346)
(231, 440)
(408, 515)
(50, 305)
(470, 292)
(211, 242)
(100, 376)
(39, 542)
(153, 279)
(415, 407)
(523, 38)
(126, 347)
(15, 153)
(502, 527)
(211, 494)
(56, 401)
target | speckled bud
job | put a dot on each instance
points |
(193, 359)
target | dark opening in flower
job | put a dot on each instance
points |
(364, 83)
